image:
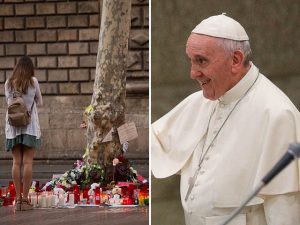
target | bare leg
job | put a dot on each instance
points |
(16, 168)
(28, 154)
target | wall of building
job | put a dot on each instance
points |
(61, 37)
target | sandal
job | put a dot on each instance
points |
(18, 204)
(25, 205)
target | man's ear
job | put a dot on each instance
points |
(237, 61)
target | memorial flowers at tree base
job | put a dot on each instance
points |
(85, 185)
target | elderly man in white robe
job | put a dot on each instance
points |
(224, 139)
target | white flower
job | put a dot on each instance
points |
(73, 175)
(125, 146)
(94, 185)
(145, 181)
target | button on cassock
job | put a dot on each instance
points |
(222, 105)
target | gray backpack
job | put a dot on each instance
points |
(18, 115)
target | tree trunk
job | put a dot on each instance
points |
(108, 100)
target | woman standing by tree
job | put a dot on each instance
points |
(23, 141)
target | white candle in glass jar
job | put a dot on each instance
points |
(43, 201)
(53, 200)
(61, 200)
(71, 199)
(48, 201)
(34, 200)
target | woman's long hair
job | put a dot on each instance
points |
(21, 77)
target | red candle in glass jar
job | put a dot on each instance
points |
(37, 186)
(12, 190)
(5, 201)
(76, 194)
(11, 200)
(130, 201)
(124, 202)
(97, 196)
(85, 193)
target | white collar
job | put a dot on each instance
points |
(241, 87)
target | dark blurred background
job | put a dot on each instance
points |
(273, 29)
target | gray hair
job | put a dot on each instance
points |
(231, 45)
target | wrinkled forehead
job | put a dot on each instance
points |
(198, 43)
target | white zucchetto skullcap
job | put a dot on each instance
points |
(222, 26)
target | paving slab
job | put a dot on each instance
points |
(78, 215)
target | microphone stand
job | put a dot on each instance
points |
(292, 153)
(239, 209)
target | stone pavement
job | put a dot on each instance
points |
(76, 216)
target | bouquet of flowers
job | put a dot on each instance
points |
(122, 171)
(82, 175)
(92, 173)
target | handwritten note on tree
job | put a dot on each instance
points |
(127, 132)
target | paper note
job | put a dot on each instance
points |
(127, 132)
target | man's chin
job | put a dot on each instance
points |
(209, 97)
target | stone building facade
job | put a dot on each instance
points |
(61, 37)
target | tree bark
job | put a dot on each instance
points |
(108, 100)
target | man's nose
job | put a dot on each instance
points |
(195, 73)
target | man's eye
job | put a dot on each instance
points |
(200, 61)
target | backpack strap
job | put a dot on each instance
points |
(16, 94)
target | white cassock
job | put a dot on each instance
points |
(241, 148)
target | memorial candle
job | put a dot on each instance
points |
(48, 200)
(76, 194)
(53, 200)
(85, 193)
(12, 190)
(42, 201)
(34, 200)
(97, 196)
(61, 200)
(125, 201)
(3, 191)
(71, 199)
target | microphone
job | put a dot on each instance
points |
(292, 153)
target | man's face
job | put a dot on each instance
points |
(210, 65)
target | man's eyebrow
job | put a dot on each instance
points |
(198, 56)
